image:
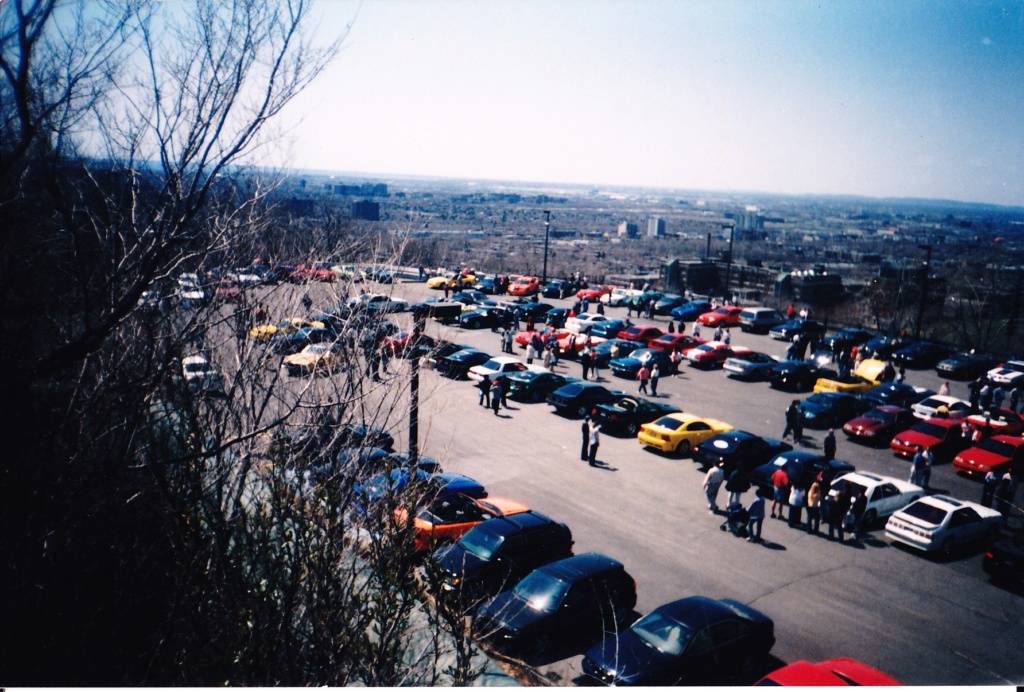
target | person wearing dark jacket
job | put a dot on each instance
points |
(737, 484)
(585, 449)
(860, 503)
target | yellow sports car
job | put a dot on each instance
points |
(288, 326)
(679, 432)
(452, 280)
(871, 369)
(313, 358)
(851, 384)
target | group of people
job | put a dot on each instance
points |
(591, 440)
(494, 393)
(984, 394)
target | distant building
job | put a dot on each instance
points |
(628, 229)
(655, 227)
(811, 286)
(366, 210)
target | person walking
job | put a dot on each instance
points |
(717, 334)
(926, 471)
(595, 441)
(585, 449)
(485, 391)
(814, 507)
(755, 518)
(737, 484)
(828, 445)
(643, 375)
(916, 467)
(792, 419)
(712, 482)
(496, 397)
(655, 375)
(727, 337)
(780, 490)
(547, 357)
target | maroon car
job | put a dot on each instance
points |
(676, 342)
(644, 333)
(879, 425)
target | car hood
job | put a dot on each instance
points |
(982, 458)
(457, 561)
(914, 438)
(624, 363)
(630, 657)
(510, 613)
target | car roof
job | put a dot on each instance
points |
(696, 611)
(572, 569)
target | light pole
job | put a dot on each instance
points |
(924, 288)
(547, 229)
(728, 265)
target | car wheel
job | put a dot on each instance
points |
(581, 411)
(632, 429)
(683, 448)
(535, 396)
(947, 547)
(721, 324)
(869, 518)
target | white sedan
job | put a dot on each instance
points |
(942, 523)
(885, 494)
(500, 365)
(582, 321)
(929, 408)
(1010, 373)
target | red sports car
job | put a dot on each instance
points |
(676, 342)
(879, 425)
(640, 332)
(403, 345)
(725, 316)
(1000, 421)
(713, 354)
(523, 337)
(313, 272)
(940, 435)
(593, 293)
(997, 454)
(831, 673)
(524, 286)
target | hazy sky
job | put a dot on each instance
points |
(904, 98)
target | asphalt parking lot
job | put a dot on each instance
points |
(923, 621)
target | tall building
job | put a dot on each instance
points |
(655, 227)
(628, 229)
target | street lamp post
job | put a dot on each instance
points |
(547, 229)
(728, 265)
(924, 288)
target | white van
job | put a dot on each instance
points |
(760, 320)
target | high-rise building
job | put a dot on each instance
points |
(628, 229)
(655, 227)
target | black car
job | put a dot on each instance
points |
(738, 449)
(608, 329)
(471, 296)
(580, 398)
(795, 375)
(558, 288)
(895, 394)
(482, 318)
(1004, 562)
(457, 365)
(487, 284)
(535, 310)
(442, 349)
(575, 599)
(693, 640)
(801, 467)
(790, 329)
(534, 386)
(556, 317)
(287, 344)
(497, 553)
(845, 339)
(359, 435)
(831, 409)
(965, 366)
(882, 347)
(919, 355)
(602, 353)
(630, 365)
(626, 414)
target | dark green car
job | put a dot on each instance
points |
(534, 387)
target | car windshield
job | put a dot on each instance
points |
(663, 633)
(1016, 366)
(571, 390)
(884, 416)
(928, 513)
(541, 591)
(668, 422)
(932, 402)
(854, 487)
(1003, 449)
(492, 365)
(481, 541)
(196, 367)
(930, 429)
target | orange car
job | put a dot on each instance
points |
(449, 519)
(524, 286)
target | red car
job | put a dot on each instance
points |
(640, 332)
(713, 354)
(524, 286)
(879, 425)
(676, 342)
(312, 272)
(1001, 421)
(940, 435)
(227, 290)
(570, 344)
(523, 337)
(403, 345)
(593, 293)
(831, 673)
(725, 316)
(998, 454)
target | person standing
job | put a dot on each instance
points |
(814, 507)
(696, 330)
(717, 334)
(830, 512)
(797, 500)
(780, 488)
(548, 356)
(843, 503)
(926, 471)
(655, 375)
(585, 449)
(643, 375)
(917, 467)
(727, 337)
(595, 441)
(944, 388)
(860, 503)
(828, 445)
(793, 421)
(496, 397)
(585, 362)
(712, 482)
(485, 391)
(988, 489)
(737, 484)
(755, 518)
(675, 357)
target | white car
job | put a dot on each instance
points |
(500, 365)
(1010, 373)
(201, 375)
(619, 296)
(885, 494)
(582, 321)
(929, 407)
(377, 302)
(942, 523)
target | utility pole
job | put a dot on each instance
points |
(420, 318)
(728, 264)
(547, 229)
(924, 288)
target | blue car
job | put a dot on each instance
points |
(432, 486)
(629, 366)
(609, 329)
(688, 312)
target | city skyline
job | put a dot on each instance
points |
(902, 100)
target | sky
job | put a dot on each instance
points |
(903, 98)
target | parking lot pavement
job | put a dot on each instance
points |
(923, 621)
